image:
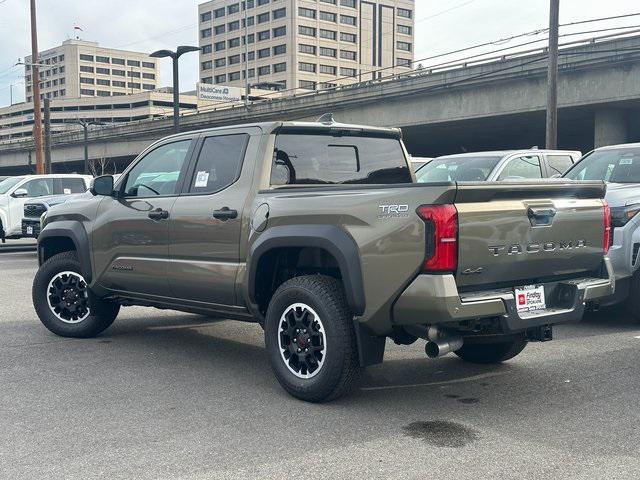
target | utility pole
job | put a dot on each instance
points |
(35, 75)
(552, 76)
(47, 136)
(246, 54)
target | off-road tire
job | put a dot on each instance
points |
(340, 369)
(101, 313)
(487, 353)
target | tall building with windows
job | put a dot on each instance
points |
(78, 68)
(304, 44)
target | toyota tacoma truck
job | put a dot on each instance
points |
(320, 233)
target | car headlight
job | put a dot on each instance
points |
(620, 216)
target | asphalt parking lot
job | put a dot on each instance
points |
(169, 395)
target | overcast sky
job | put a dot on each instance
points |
(147, 25)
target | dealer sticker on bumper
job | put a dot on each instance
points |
(530, 298)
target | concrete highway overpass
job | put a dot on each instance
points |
(493, 104)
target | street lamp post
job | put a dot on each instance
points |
(175, 56)
(85, 125)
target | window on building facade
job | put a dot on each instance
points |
(328, 34)
(102, 59)
(328, 16)
(264, 35)
(219, 46)
(205, 17)
(279, 31)
(310, 49)
(220, 62)
(308, 31)
(328, 52)
(235, 8)
(280, 67)
(307, 85)
(403, 62)
(266, 70)
(404, 29)
(404, 13)
(133, 63)
(347, 19)
(233, 76)
(306, 12)
(221, 78)
(87, 58)
(206, 65)
(329, 69)
(234, 25)
(404, 46)
(218, 12)
(348, 3)
(307, 67)
(117, 61)
(234, 42)
(279, 49)
(348, 37)
(234, 59)
(348, 55)
(264, 52)
(205, 33)
(103, 71)
(263, 17)
(279, 13)
(207, 49)
(348, 72)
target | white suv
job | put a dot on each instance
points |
(14, 191)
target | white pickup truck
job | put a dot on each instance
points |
(15, 191)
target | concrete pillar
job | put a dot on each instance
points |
(610, 127)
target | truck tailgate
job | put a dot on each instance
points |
(517, 233)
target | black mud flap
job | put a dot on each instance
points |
(370, 347)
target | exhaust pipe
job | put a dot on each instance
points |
(441, 342)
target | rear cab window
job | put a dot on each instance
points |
(308, 157)
(558, 164)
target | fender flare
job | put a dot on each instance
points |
(328, 237)
(75, 231)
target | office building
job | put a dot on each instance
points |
(304, 44)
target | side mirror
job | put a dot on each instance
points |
(102, 186)
(20, 193)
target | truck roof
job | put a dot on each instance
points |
(269, 127)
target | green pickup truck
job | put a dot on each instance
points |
(319, 232)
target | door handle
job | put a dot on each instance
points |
(158, 214)
(225, 213)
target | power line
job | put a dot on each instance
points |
(455, 7)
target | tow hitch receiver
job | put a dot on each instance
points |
(541, 334)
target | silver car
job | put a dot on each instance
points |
(619, 166)
(498, 166)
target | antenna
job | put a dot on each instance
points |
(327, 119)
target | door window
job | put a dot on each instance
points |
(158, 172)
(67, 186)
(219, 163)
(521, 168)
(558, 164)
(38, 187)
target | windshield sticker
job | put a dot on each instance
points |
(202, 179)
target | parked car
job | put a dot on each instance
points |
(498, 166)
(317, 232)
(619, 166)
(36, 209)
(15, 191)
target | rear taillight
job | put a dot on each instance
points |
(607, 240)
(441, 232)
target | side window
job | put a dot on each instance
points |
(158, 172)
(219, 163)
(521, 168)
(558, 164)
(67, 186)
(39, 187)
